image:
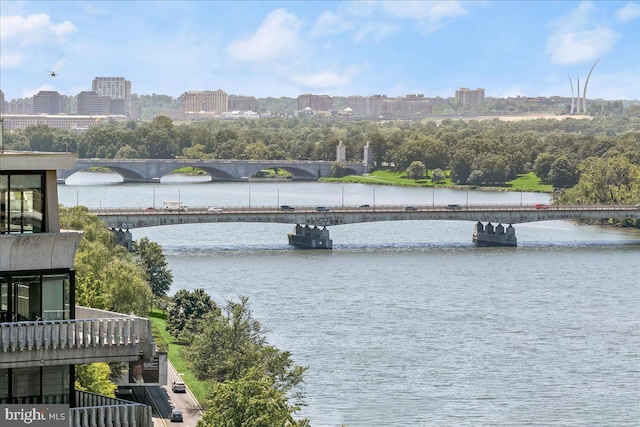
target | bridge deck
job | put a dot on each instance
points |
(505, 214)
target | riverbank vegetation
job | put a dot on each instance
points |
(221, 351)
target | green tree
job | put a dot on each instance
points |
(476, 177)
(461, 166)
(154, 262)
(252, 400)
(230, 343)
(563, 173)
(107, 276)
(187, 309)
(437, 176)
(416, 170)
(94, 377)
(542, 165)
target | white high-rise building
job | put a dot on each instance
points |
(114, 88)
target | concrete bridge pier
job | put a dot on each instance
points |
(490, 235)
(123, 238)
(305, 237)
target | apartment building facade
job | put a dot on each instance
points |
(467, 96)
(43, 334)
(205, 101)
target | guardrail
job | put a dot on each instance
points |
(368, 208)
(94, 410)
(116, 330)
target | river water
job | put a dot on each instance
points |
(406, 323)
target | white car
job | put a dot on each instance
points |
(214, 209)
(178, 387)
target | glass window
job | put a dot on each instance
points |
(27, 297)
(55, 384)
(26, 385)
(4, 385)
(4, 300)
(21, 203)
(4, 204)
(55, 297)
(35, 297)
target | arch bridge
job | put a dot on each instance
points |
(151, 170)
(308, 219)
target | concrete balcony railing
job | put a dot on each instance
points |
(94, 410)
(94, 336)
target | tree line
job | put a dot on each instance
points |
(487, 152)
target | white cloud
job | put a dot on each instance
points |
(629, 12)
(276, 38)
(34, 29)
(329, 23)
(431, 15)
(11, 59)
(577, 38)
(377, 20)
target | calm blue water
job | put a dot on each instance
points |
(408, 324)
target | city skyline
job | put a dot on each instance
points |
(285, 49)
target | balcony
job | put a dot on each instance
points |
(94, 410)
(94, 336)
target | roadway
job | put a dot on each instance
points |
(339, 215)
(163, 400)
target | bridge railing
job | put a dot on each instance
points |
(362, 208)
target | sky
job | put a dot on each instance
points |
(337, 48)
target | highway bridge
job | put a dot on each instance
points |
(152, 170)
(313, 216)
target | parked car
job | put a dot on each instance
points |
(175, 416)
(410, 208)
(178, 387)
(541, 206)
(322, 209)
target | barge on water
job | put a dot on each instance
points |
(488, 235)
(305, 237)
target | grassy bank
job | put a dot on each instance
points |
(525, 182)
(164, 340)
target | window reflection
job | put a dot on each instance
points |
(21, 203)
(35, 297)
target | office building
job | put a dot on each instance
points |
(467, 96)
(89, 103)
(78, 123)
(243, 103)
(51, 102)
(116, 88)
(315, 102)
(207, 101)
